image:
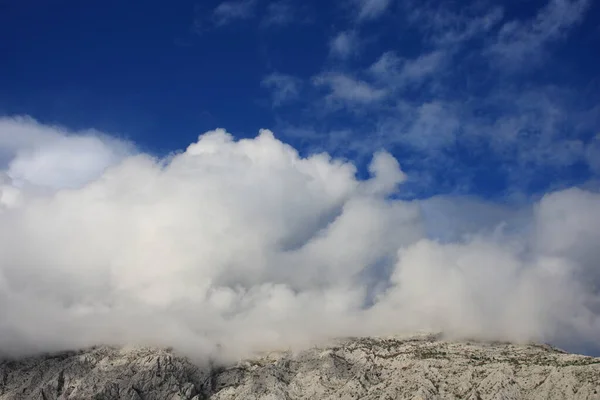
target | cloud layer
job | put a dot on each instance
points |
(234, 246)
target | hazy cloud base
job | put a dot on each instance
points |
(234, 246)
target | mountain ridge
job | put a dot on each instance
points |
(421, 367)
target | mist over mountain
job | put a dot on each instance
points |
(269, 198)
(234, 246)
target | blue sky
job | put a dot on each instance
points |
(493, 99)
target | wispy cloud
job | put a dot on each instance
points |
(344, 90)
(428, 127)
(371, 9)
(455, 116)
(455, 96)
(397, 72)
(520, 43)
(284, 88)
(279, 13)
(230, 11)
(444, 26)
(345, 44)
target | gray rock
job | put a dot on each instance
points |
(358, 368)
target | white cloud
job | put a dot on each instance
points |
(248, 245)
(522, 43)
(229, 11)
(284, 88)
(39, 155)
(344, 45)
(346, 90)
(371, 9)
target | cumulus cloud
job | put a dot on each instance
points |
(31, 153)
(234, 246)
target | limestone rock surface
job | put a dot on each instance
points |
(357, 368)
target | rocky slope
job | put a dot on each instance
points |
(365, 368)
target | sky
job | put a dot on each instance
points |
(497, 99)
(224, 177)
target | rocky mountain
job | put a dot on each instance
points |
(357, 368)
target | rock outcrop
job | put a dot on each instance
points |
(359, 368)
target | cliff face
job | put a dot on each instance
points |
(366, 368)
